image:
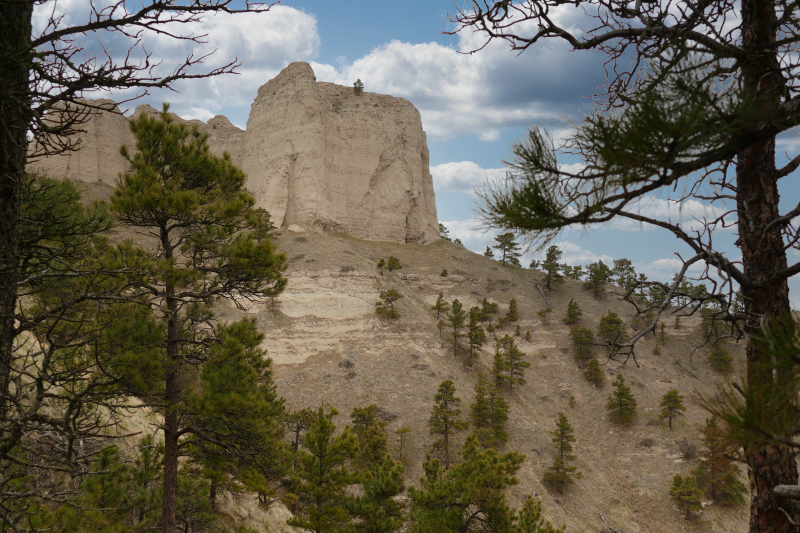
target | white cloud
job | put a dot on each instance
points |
(490, 135)
(572, 254)
(263, 42)
(463, 176)
(473, 235)
(198, 113)
(477, 94)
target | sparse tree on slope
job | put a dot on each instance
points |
(612, 328)
(574, 313)
(509, 364)
(671, 405)
(513, 311)
(475, 334)
(686, 494)
(393, 264)
(488, 414)
(582, 339)
(488, 253)
(455, 321)
(597, 275)
(444, 421)
(508, 248)
(529, 519)
(717, 475)
(386, 305)
(560, 475)
(321, 478)
(551, 267)
(621, 404)
(594, 374)
(441, 306)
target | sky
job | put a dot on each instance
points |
(473, 106)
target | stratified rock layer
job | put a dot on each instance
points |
(316, 156)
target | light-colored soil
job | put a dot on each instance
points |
(328, 345)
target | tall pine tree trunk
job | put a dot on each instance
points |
(15, 65)
(762, 253)
(171, 398)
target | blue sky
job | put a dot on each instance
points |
(473, 106)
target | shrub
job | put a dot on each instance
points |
(393, 264)
(688, 449)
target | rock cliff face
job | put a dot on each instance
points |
(316, 156)
(319, 156)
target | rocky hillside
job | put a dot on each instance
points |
(329, 345)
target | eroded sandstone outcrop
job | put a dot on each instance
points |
(316, 156)
(319, 156)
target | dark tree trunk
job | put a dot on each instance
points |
(171, 415)
(212, 494)
(15, 111)
(763, 254)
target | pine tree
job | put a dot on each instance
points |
(718, 356)
(573, 272)
(717, 475)
(598, 274)
(381, 264)
(467, 497)
(662, 335)
(488, 253)
(513, 311)
(612, 327)
(444, 421)
(544, 314)
(455, 321)
(370, 433)
(671, 405)
(377, 510)
(475, 334)
(594, 373)
(296, 424)
(574, 313)
(508, 248)
(209, 243)
(686, 494)
(488, 414)
(444, 233)
(528, 335)
(551, 267)
(621, 403)
(441, 306)
(488, 309)
(385, 307)
(529, 519)
(393, 264)
(321, 478)
(582, 339)
(623, 274)
(560, 475)
(509, 365)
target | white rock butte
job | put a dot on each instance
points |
(316, 155)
